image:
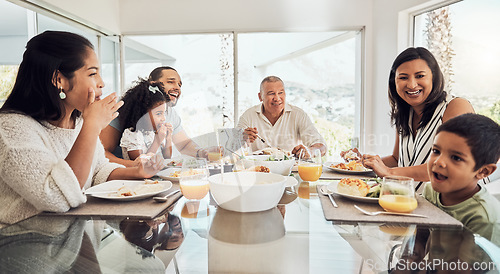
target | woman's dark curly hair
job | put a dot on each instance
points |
(138, 100)
(400, 110)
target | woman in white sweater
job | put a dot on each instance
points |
(49, 128)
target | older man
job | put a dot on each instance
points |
(280, 124)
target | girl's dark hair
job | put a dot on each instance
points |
(138, 100)
(481, 133)
(400, 110)
(157, 72)
(48, 53)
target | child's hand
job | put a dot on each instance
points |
(101, 112)
(170, 130)
(165, 130)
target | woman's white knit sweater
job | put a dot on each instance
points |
(34, 176)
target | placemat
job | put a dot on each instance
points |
(141, 209)
(346, 213)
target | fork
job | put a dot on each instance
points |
(375, 213)
(263, 141)
(328, 193)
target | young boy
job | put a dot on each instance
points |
(465, 150)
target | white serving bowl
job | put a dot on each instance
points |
(247, 191)
(283, 167)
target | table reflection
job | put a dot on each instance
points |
(293, 237)
(46, 245)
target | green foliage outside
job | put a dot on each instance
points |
(7, 78)
(337, 136)
(492, 112)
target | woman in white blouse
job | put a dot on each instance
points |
(49, 128)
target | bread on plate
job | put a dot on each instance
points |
(354, 187)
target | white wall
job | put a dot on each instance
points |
(186, 16)
(383, 49)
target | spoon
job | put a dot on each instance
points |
(328, 193)
(165, 198)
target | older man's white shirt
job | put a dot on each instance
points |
(294, 127)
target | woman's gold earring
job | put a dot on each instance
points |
(62, 95)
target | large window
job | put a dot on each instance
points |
(206, 102)
(464, 38)
(18, 25)
(319, 70)
(14, 34)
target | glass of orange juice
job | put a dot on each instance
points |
(193, 179)
(310, 165)
(215, 154)
(397, 194)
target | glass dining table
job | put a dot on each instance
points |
(199, 237)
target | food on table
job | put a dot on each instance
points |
(174, 163)
(257, 169)
(275, 154)
(176, 174)
(374, 191)
(354, 187)
(352, 154)
(261, 169)
(148, 186)
(352, 165)
(191, 172)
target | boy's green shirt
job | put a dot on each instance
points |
(480, 213)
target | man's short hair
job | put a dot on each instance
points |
(481, 133)
(271, 79)
(157, 73)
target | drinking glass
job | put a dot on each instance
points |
(193, 179)
(397, 194)
(310, 165)
(215, 154)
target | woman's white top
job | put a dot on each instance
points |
(34, 175)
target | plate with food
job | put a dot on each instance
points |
(276, 153)
(356, 189)
(128, 190)
(171, 174)
(352, 167)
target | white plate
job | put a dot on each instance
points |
(291, 181)
(96, 191)
(333, 188)
(167, 174)
(327, 165)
